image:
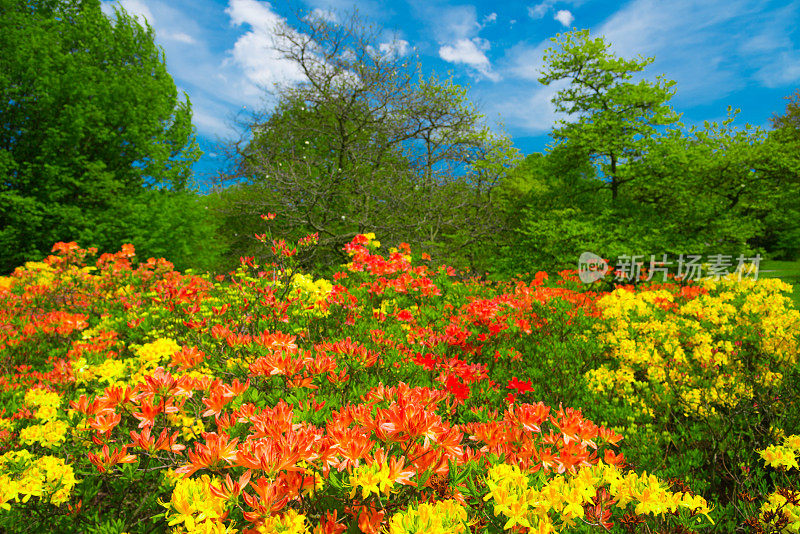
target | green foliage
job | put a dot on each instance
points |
(781, 235)
(616, 118)
(89, 121)
(626, 178)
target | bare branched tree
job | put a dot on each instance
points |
(367, 143)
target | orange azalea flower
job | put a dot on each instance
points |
(109, 460)
(159, 382)
(330, 524)
(114, 396)
(105, 421)
(231, 489)
(269, 498)
(127, 251)
(216, 454)
(609, 435)
(148, 413)
(83, 405)
(519, 385)
(216, 401)
(65, 248)
(188, 357)
(166, 442)
(611, 458)
(370, 519)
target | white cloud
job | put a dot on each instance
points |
(525, 62)
(564, 17)
(710, 48)
(540, 10)
(325, 14)
(258, 15)
(470, 52)
(783, 69)
(456, 29)
(465, 51)
(529, 109)
(396, 48)
(181, 38)
(254, 51)
(210, 122)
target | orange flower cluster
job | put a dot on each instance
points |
(265, 416)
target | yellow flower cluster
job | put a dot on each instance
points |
(158, 352)
(34, 272)
(566, 495)
(110, 371)
(23, 476)
(191, 428)
(783, 456)
(512, 496)
(152, 355)
(6, 424)
(49, 434)
(311, 292)
(47, 402)
(686, 356)
(291, 522)
(442, 517)
(194, 508)
(372, 479)
(371, 241)
(5, 283)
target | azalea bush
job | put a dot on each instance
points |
(391, 397)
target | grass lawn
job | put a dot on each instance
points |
(788, 271)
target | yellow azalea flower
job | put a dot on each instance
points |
(776, 501)
(157, 353)
(47, 402)
(49, 434)
(779, 456)
(291, 522)
(193, 504)
(371, 479)
(792, 442)
(441, 517)
(23, 476)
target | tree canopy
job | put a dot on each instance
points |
(616, 117)
(626, 178)
(90, 120)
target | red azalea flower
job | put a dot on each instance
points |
(520, 386)
(460, 391)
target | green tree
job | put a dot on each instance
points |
(617, 118)
(366, 143)
(657, 186)
(781, 234)
(90, 121)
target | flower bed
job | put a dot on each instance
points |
(389, 398)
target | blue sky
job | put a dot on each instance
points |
(740, 53)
